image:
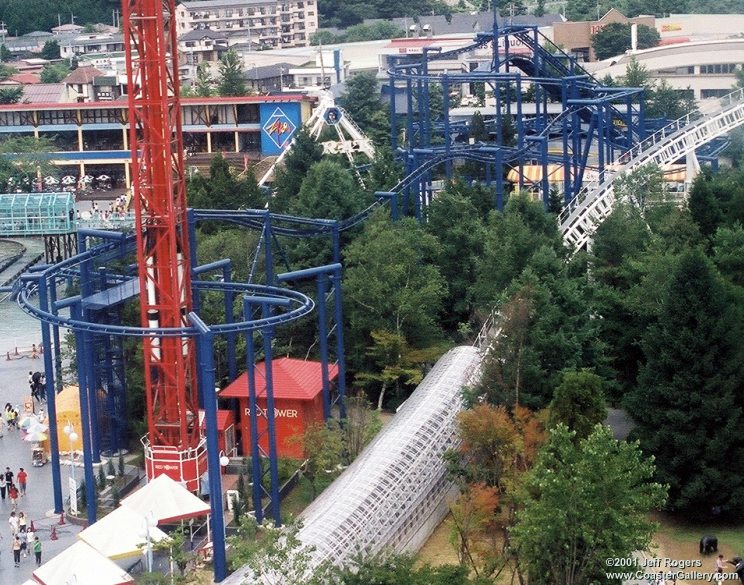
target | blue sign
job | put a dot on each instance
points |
(279, 122)
(332, 116)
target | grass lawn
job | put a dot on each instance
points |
(677, 539)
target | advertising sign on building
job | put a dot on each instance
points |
(279, 122)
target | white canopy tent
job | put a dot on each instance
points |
(167, 500)
(82, 564)
(118, 535)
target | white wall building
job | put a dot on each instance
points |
(268, 23)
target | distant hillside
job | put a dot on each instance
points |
(22, 17)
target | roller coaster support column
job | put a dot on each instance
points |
(393, 117)
(85, 419)
(498, 179)
(447, 139)
(87, 344)
(250, 365)
(56, 346)
(50, 391)
(392, 196)
(205, 350)
(250, 362)
(340, 352)
(321, 274)
(268, 333)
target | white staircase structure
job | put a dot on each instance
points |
(351, 139)
(595, 201)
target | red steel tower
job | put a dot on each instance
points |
(173, 445)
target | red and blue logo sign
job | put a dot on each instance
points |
(278, 127)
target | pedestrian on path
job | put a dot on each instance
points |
(3, 486)
(22, 477)
(28, 549)
(22, 522)
(37, 550)
(13, 523)
(13, 495)
(17, 551)
(8, 476)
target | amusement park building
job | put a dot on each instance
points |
(92, 137)
(707, 68)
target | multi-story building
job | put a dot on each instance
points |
(266, 23)
(93, 137)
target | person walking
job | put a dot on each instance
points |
(3, 486)
(8, 476)
(16, 551)
(13, 495)
(29, 548)
(22, 478)
(37, 550)
(13, 523)
(22, 522)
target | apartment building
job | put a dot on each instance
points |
(264, 23)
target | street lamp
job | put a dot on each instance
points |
(148, 522)
(72, 437)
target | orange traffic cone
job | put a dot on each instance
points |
(53, 535)
(61, 518)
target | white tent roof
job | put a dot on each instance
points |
(84, 563)
(168, 501)
(118, 535)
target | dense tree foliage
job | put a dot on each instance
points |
(688, 400)
(363, 101)
(583, 506)
(578, 403)
(18, 16)
(615, 38)
(344, 13)
(593, 10)
(231, 81)
(223, 189)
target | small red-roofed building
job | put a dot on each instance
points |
(298, 402)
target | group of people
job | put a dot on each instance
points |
(23, 539)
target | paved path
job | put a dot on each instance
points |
(14, 453)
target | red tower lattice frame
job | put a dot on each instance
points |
(173, 445)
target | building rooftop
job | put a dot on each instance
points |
(213, 4)
(293, 380)
(43, 93)
(83, 75)
(199, 34)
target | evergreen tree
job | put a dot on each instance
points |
(688, 403)
(50, 51)
(304, 153)
(578, 403)
(203, 84)
(231, 81)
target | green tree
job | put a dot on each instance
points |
(50, 51)
(5, 54)
(636, 75)
(455, 222)
(323, 37)
(614, 39)
(289, 177)
(477, 128)
(728, 252)
(372, 32)
(361, 425)
(585, 504)
(275, 557)
(688, 403)
(54, 72)
(6, 71)
(11, 95)
(578, 403)
(391, 569)
(223, 189)
(323, 446)
(393, 283)
(363, 102)
(231, 81)
(203, 84)
(511, 240)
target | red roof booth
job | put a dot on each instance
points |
(298, 402)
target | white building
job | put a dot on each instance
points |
(268, 23)
(708, 68)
